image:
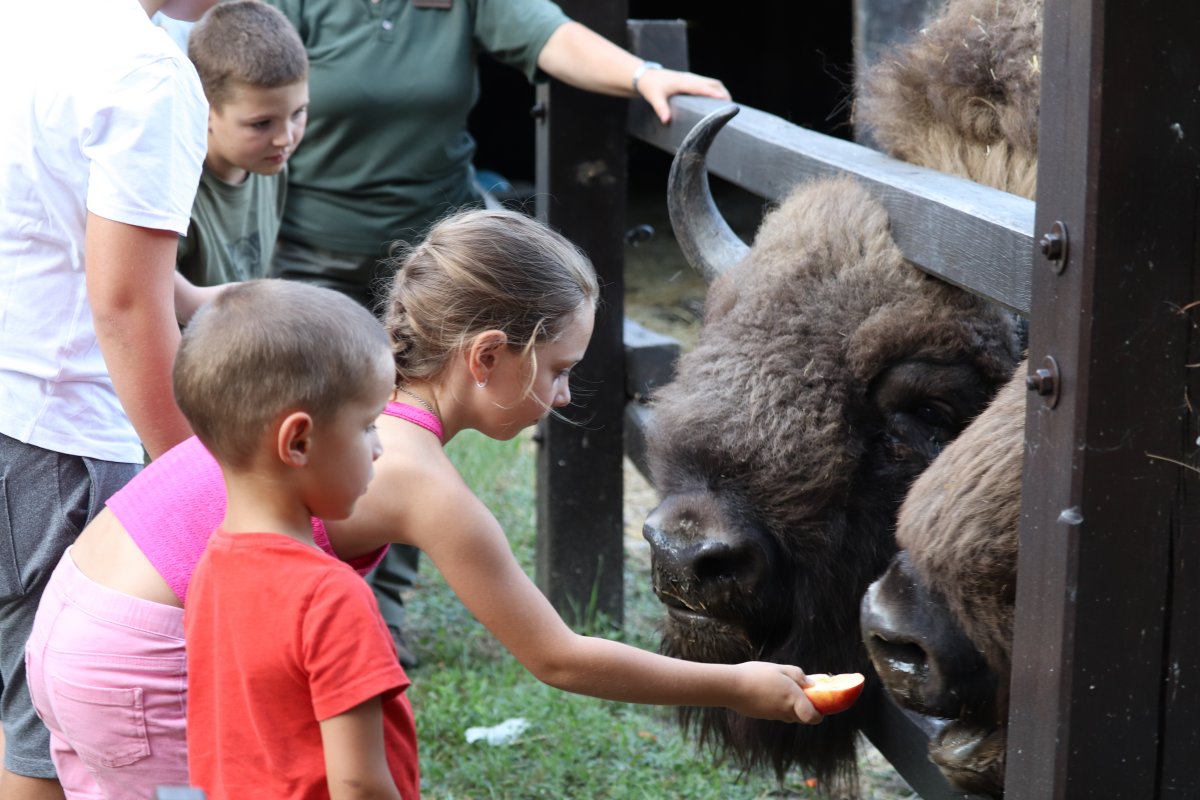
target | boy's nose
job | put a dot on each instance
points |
(287, 136)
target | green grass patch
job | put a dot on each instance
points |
(575, 746)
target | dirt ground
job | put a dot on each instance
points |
(663, 293)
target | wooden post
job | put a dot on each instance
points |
(1106, 674)
(581, 180)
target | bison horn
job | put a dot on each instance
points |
(707, 241)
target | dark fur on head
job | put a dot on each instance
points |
(959, 524)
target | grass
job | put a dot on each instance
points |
(575, 746)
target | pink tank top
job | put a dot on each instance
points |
(417, 416)
(173, 505)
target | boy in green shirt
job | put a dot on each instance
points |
(254, 70)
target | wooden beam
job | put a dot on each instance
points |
(970, 235)
(661, 40)
(638, 419)
(649, 360)
(581, 183)
(1106, 670)
(903, 737)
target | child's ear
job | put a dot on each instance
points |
(293, 440)
(482, 353)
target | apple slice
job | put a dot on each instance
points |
(831, 694)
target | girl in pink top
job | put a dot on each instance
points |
(488, 315)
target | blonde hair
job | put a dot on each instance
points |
(265, 347)
(483, 270)
(248, 43)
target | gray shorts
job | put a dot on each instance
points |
(45, 500)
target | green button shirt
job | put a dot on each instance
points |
(391, 83)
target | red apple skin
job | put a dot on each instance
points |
(832, 694)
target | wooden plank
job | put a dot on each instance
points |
(970, 235)
(1109, 500)
(903, 739)
(649, 360)
(581, 171)
(638, 418)
(661, 40)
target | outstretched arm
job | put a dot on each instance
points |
(466, 544)
(130, 287)
(583, 58)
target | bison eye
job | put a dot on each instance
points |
(934, 415)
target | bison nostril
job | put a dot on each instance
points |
(899, 658)
(721, 561)
(711, 566)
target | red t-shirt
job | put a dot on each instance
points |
(279, 637)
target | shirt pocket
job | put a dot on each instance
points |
(106, 726)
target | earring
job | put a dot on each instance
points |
(481, 384)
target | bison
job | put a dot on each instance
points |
(828, 375)
(938, 624)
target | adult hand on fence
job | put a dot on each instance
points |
(657, 86)
(582, 58)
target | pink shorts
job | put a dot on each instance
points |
(108, 676)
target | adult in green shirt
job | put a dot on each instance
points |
(387, 152)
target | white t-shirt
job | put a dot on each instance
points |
(100, 112)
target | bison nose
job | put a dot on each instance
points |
(699, 562)
(898, 658)
(919, 651)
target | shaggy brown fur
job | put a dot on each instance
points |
(938, 624)
(963, 97)
(959, 522)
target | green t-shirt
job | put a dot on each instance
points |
(231, 235)
(390, 86)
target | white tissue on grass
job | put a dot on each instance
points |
(504, 733)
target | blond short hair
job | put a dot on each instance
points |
(483, 270)
(266, 347)
(245, 43)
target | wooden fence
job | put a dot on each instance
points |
(1106, 683)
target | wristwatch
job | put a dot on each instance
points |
(642, 69)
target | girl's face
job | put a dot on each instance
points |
(523, 389)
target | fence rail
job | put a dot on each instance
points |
(967, 234)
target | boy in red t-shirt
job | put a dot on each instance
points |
(295, 691)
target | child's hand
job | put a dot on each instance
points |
(774, 691)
